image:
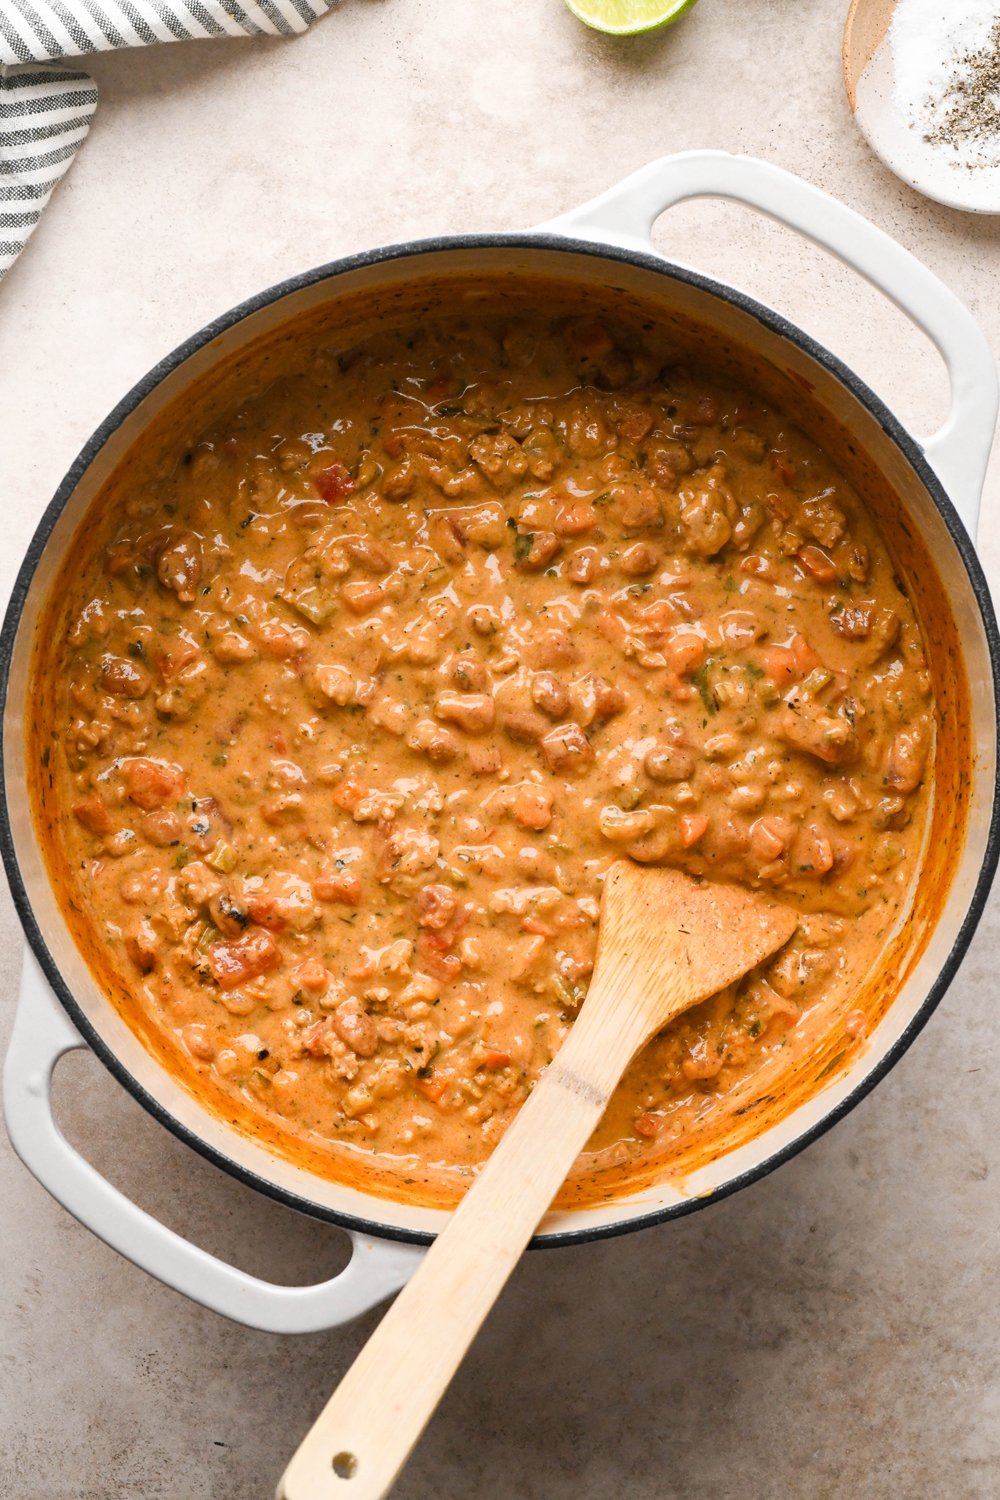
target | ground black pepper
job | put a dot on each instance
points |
(968, 112)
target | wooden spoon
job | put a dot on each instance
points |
(666, 942)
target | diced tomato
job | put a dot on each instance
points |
(636, 423)
(233, 963)
(432, 1088)
(263, 910)
(758, 566)
(779, 664)
(310, 975)
(363, 595)
(814, 852)
(691, 827)
(282, 642)
(152, 783)
(575, 519)
(181, 654)
(657, 617)
(333, 482)
(350, 792)
(460, 921)
(816, 562)
(646, 1125)
(94, 815)
(316, 1039)
(337, 885)
(805, 657)
(784, 664)
(446, 937)
(537, 928)
(495, 1060)
(685, 651)
(436, 905)
(784, 1013)
(433, 956)
(768, 838)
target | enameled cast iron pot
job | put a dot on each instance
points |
(605, 244)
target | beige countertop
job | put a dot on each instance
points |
(831, 1332)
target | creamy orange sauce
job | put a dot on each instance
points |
(360, 694)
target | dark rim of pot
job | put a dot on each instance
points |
(559, 246)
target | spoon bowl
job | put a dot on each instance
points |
(666, 943)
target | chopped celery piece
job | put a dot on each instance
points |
(208, 937)
(315, 602)
(566, 993)
(222, 858)
(817, 680)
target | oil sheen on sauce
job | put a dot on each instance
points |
(357, 697)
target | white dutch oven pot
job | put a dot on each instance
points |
(605, 243)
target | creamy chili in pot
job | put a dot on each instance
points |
(357, 696)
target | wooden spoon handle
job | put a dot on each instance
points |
(361, 1438)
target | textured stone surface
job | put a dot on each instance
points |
(832, 1332)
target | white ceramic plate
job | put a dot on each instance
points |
(870, 79)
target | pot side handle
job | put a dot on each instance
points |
(42, 1034)
(625, 214)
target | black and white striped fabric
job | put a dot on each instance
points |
(44, 117)
(45, 111)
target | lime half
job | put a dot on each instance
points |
(628, 17)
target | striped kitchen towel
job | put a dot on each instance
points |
(45, 111)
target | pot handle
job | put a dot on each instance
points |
(625, 214)
(42, 1034)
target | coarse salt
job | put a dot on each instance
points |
(946, 64)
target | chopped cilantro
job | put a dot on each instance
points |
(701, 682)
